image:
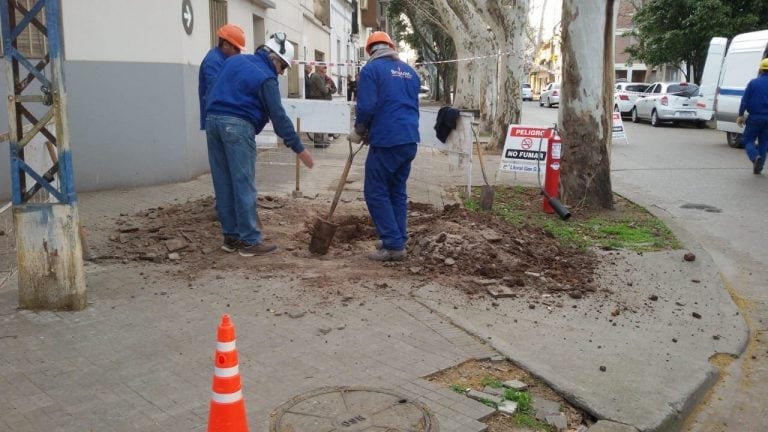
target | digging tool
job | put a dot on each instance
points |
(324, 230)
(486, 192)
(297, 192)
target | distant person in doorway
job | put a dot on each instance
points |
(755, 103)
(321, 87)
(351, 89)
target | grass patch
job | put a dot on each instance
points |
(530, 422)
(628, 226)
(491, 381)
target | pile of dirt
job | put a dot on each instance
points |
(475, 252)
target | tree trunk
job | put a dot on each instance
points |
(585, 102)
(483, 28)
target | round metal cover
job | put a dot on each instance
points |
(352, 409)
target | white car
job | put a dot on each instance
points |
(667, 102)
(526, 92)
(625, 94)
(551, 95)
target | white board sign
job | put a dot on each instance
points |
(525, 149)
(320, 115)
(617, 129)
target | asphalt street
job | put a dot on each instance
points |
(706, 190)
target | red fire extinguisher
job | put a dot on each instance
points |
(552, 179)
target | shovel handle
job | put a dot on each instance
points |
(480, 156)
(343, 179)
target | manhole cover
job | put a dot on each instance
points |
(352, 409)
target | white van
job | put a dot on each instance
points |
(738, 67)
(709, 78)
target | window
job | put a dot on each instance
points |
(218, 17)
(31, 42)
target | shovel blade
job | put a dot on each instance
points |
(322, 236)
(486, 198)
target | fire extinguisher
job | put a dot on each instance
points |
(550, 203)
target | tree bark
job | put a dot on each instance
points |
(586, 102)
(491, 84)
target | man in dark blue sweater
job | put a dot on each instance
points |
(755, 102)
(243, 99)
(387, 113)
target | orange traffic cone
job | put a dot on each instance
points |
(227, 403)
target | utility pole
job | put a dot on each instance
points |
(48, 247)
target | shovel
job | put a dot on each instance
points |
(487, 192)
(324, 230)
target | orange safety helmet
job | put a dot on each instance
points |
(378, 37)
(232, 34)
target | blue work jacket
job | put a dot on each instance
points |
(247, 89)
(388, 102)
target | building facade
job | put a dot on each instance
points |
(131, 74)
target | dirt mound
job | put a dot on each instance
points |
(473, 251)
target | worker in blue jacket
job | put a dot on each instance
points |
(755, 102)
(387, 117)
(243, 99)
(231, 42)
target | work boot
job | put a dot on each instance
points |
(256, 249)
(387, 255)
(231, 244)
(757, 165)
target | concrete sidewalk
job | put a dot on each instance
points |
(139, 357)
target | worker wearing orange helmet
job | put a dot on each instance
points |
(231, 42)
(387, 116)
(755, 102)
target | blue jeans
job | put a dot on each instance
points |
(386, 174)
(232, 157)
(755, 129)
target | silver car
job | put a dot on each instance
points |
(667, 102)
(551, 95)
(625, 95)
(526, 92)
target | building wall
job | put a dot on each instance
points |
(131, 74)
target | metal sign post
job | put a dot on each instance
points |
(48, 247)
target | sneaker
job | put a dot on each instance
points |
(757, 165)
(379, 245)
(231, 244)
(256, 249)
(387, 255)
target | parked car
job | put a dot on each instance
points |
(625, 94)
(424, 92)
(526, 92)
(667, 102)
(551, 95)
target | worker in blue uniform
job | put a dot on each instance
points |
(231, 42)
(755, 102)
(387, 118)
(243, 99)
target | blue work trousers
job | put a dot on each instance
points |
(755, 129)
(386, 174)
(232, 157)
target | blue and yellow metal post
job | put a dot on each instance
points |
(48, 245)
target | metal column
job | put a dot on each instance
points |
(48, 248)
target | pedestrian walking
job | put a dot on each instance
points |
(755, 103)
(243, 99)
(231, 42)
(387, 117)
